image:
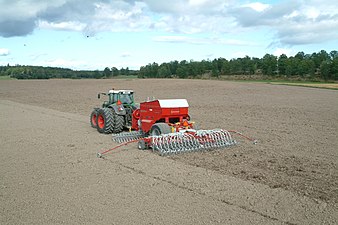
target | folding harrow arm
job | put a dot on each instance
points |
(180, 142)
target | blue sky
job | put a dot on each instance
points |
(94, 34)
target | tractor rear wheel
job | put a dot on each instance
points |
(105, 120)
(118, 123)
(160, 128)
(93, 118)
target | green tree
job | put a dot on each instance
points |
(98, 74)
(142, 73)
(114, 72)
(269, 64)
(325, 70)
(215, 68)
(225, 67)
(282, 62)
(334, 54)
(164, 71)
(319, 57)
(154, 70)
(173, 67)
(106, 72)
(334, 68)
(182, 70)
(307, 67)
(300, 55)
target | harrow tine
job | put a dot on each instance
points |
(127, 136)
(181, 142)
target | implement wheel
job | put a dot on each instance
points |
(142, 145)
(93, 118)
(160, 128)
(105, 121)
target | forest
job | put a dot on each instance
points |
(315, 66)
(39, 72)
(320, 66)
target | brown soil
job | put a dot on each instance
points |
(315, 85)
(296, 127)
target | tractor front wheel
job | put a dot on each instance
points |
(105, 121)
(93, 118)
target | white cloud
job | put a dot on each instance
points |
(236, 42)
(290, 20)
(4, 52)
(179, 39)
(257, 6)
(22, 10)
(69, 25)
(193, 40)
(172, 7)
(311, 12)
(197, 2)
(295, 23)
(291, 15)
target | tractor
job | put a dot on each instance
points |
(115, 115)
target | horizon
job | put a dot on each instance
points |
(138, 69)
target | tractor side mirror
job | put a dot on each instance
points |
(99, 95)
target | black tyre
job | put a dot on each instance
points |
(105, 121)
(93, 118)
(118, 123)
(142, 145)
(160, 128)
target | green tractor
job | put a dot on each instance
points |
(116, 113)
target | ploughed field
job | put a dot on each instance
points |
(296, 127)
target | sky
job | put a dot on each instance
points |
(94, 34)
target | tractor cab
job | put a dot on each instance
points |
(124, 97)
(119, 97)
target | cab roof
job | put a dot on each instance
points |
(121, 91)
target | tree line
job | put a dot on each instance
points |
(321, 65)
(315, 66)
(39, 72)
